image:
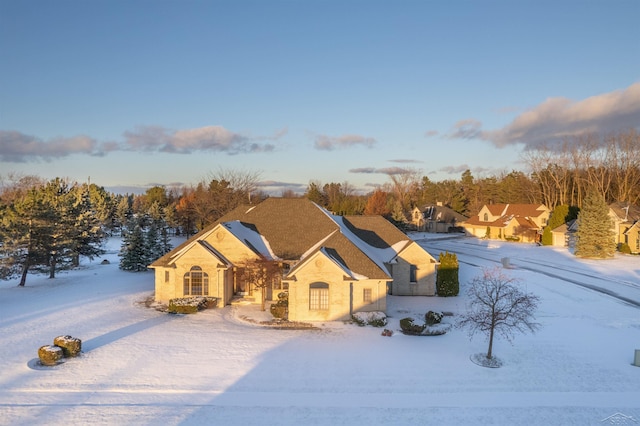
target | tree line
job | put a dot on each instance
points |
(48, 225)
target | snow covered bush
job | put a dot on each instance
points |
(408, 327)
(432, 317)
(191, 305)
(375, 319)
(436, 329)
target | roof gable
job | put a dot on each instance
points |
(290, 225)
(251, 238)
(442, 214)
(625, 212)
(348, 256)
(169, 259)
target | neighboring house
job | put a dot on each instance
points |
(565, 234)
(436, 218)
(517, 222)
(626, 224)
(333, 266)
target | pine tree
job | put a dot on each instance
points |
(123, 213)
(36, 231)
(87, 235)
(20, 234)
(397, 214)
(595, 236)
(133, 250)
(558, 217)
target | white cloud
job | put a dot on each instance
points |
(18, 147)
(466, 129)
(329, 143)
(558, 118)
(383, 170)
(208, 138)
(455, 169)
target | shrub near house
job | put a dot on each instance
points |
(447, 281)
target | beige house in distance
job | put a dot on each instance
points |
(517, 222)
(333, 266)
(436, 218)
(626, 227)
(626, 224)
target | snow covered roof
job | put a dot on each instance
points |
(251, 238)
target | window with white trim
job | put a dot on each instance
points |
(319, 297)
(196, 282)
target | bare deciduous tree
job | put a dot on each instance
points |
(261, 273)
(405, 185)
(243, 182)
(497, 304)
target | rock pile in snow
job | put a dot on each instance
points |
(63, 347)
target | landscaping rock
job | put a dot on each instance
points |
(71, 346)
(50, 355)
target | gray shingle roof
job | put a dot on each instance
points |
(295, 226)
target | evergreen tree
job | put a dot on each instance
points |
(547, 236)
(447, 282)
(133, 250)
(152, 243)
(397, 214)
(557, 218)
(101, 204)
(315, 194)
(595, 236)
(165, 242)
(58, 228)
(87, 232)
(124, 212)
(40, 230)
(21, 234)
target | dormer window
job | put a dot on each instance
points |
(486, 217)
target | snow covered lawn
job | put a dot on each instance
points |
(141, 366)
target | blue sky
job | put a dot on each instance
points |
(138, 93)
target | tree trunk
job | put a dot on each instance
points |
(23, 278)
(489, 354)
(52, 267)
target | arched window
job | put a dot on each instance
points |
(319, 297)
(196, 282)
(486, 217)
